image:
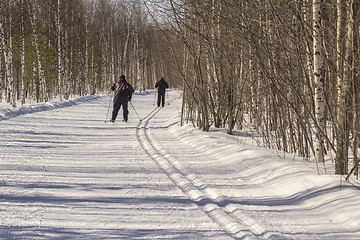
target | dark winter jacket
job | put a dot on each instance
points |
(161, 85)
(122, 89)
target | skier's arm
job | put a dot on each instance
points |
(131, 91)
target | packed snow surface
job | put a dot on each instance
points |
(65, 173)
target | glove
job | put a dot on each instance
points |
(129, 98)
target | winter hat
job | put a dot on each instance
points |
(122, 78)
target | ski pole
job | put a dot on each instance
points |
(167, 98)
(154, 99)
(135, 111)
(108, 107)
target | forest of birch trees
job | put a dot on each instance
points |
(290, 69)
(287, 68)
(62, 48)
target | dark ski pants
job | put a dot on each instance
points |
(118, 102)
(161, 98)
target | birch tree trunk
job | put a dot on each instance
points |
(318, 82)
(137, 45)
(66, 70)
(87, 81)
(92, 78)
(112, 56)
(185, 61)
(65, 52)
(8, 67)
(125, 65)
(10, 55)
(349, 77)
(342, 87)
(59, 52)
(35, 85)
(33, 20)
(22, 40)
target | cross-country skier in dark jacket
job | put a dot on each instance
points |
(161, 85)
(122, 95)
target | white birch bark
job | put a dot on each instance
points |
(104, 59)
(71, 86)
(137, 54)
(35, 94)
(87, 83)
(10, 54)
(106, 66)
(8, 67)
(185, 62)
(59, 51)
(22, 37)
(66, 64)
(124, 68)
(33, 20)
(309, 88)
(318, 82)
(92, 79)
(349, 77)
(112, 55)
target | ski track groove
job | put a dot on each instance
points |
(227, 216)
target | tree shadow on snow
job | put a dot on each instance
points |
(135, 232)
(295, 199)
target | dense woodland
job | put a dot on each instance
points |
(77, 47)
(290, 69)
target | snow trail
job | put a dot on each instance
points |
(65, 174)
(206, 199)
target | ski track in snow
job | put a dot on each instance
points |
(65, 174)
(203, 196)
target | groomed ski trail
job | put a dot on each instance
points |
(65, 174)
(215, 206)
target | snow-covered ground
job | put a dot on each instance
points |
(66, 174)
